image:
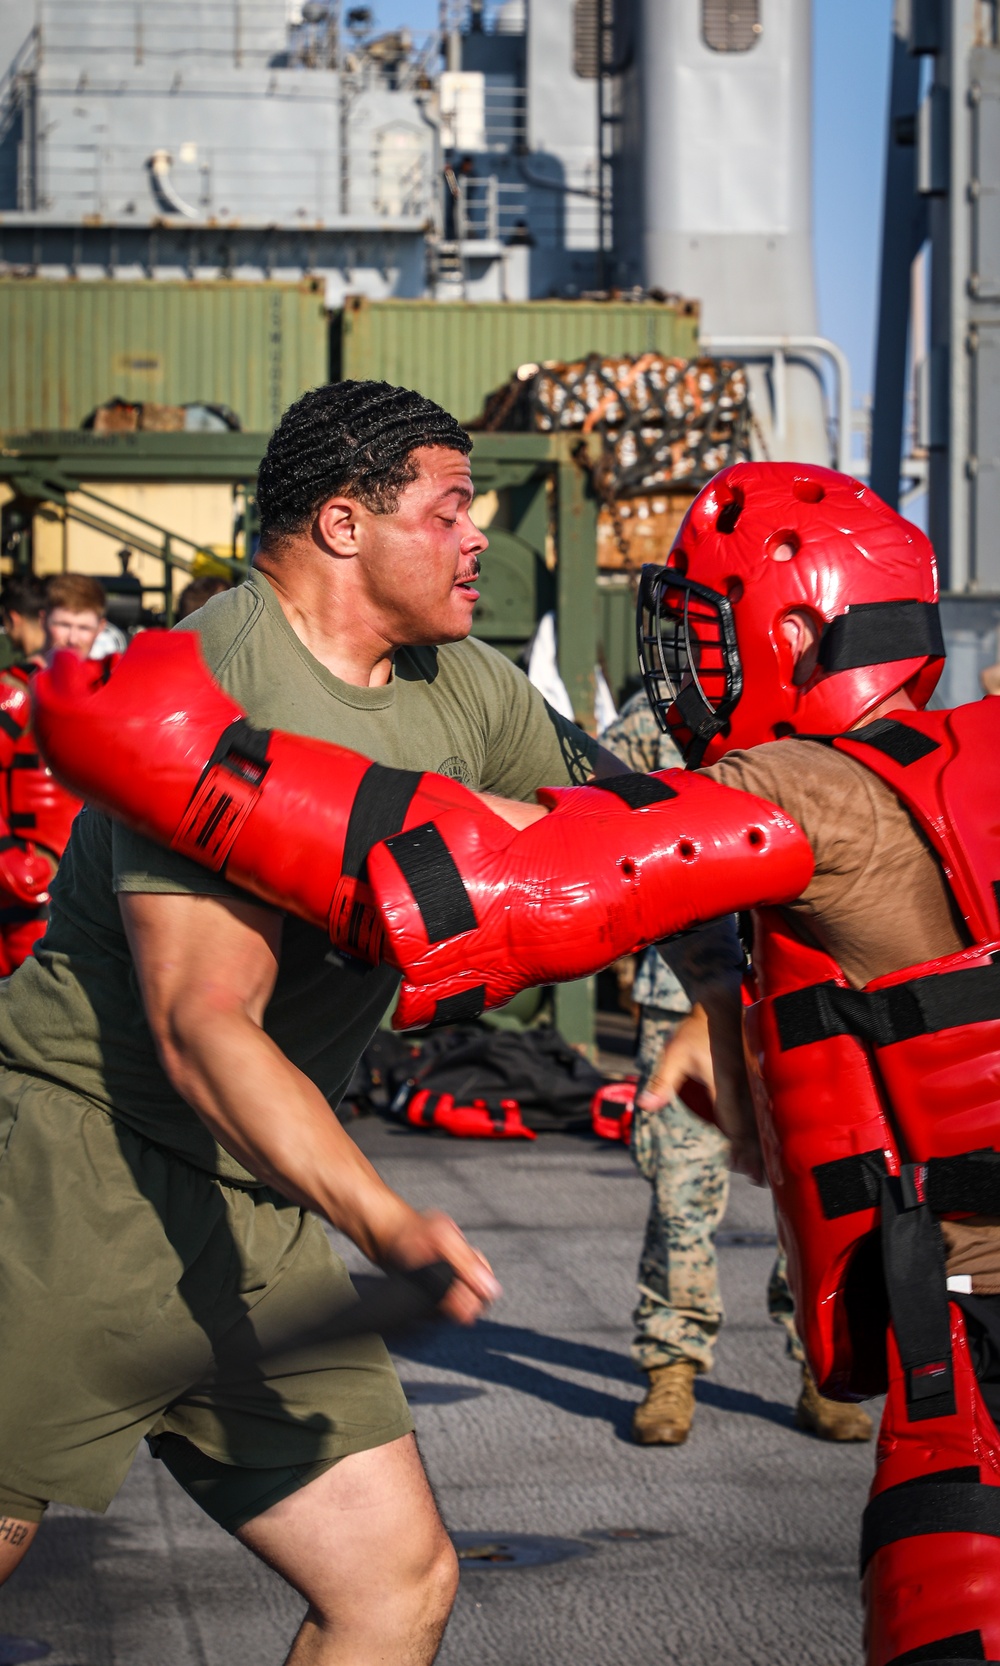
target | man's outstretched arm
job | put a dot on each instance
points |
(206, 968)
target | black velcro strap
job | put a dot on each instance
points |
(461, 1008)
(18, 914)
(944, 1651)
(242, 749)
(9, 727)
(920, 1006)
(426, 1113)
(897, 740)
(876, 633)
(914, 1265)
(637, 791)
(969, 1184)
(26, 760)
(430, 871)
(227, 790)
(379, 809)
(912, 1512)
(850, 1183)
(23, 820)
(966, 1184)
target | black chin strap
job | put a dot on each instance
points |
(876, 633)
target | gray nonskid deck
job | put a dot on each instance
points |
(745, 1541)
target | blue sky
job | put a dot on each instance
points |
(850, 88)
(850, 92)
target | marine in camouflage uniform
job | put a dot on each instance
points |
(685, 1159)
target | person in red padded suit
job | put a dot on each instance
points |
(790, 644)
(36, 812)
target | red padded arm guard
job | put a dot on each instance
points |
(159, 745)
(15, 715)
(475, 911)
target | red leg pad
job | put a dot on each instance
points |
(933, 1587)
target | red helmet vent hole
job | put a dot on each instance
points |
(686, 851)
(783, 545)
(678, 561)
(729, 514)
(755, 837)
(734, 589)
(808, 491)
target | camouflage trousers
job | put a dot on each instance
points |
(686, 1162)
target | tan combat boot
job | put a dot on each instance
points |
(829, 1419)
(664, 1417)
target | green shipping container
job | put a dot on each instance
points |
(457, 352)
(70, 346)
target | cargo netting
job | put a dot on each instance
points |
(666, 423)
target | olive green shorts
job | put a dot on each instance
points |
(140, 1296)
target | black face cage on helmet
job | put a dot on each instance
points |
(686, 637)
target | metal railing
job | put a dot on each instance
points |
(778, 350)
(489, 209)
(505, 116)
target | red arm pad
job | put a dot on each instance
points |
(475, 911)
(15, 715)
(159, 745)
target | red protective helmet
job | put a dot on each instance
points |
(760, 541)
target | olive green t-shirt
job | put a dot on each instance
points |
(73, 1011)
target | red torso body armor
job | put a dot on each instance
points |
(36, 815)
(879, 1113)
(32, 802)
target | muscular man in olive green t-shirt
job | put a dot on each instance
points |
(170, 1055)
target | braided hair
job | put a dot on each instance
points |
(352, 439)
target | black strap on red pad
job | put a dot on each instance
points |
(913, 1261)
(953, 1503)
(966, 1184)
(876, 633)
(431, 872)
(637, 791)
(227, 791)
(920, 1006)
(956, 1650)
(903, 744)
(379, 810)
(461, 1008)
(848, 1184)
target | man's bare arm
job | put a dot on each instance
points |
(207, 967)
(519, 814)
(709, 964)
